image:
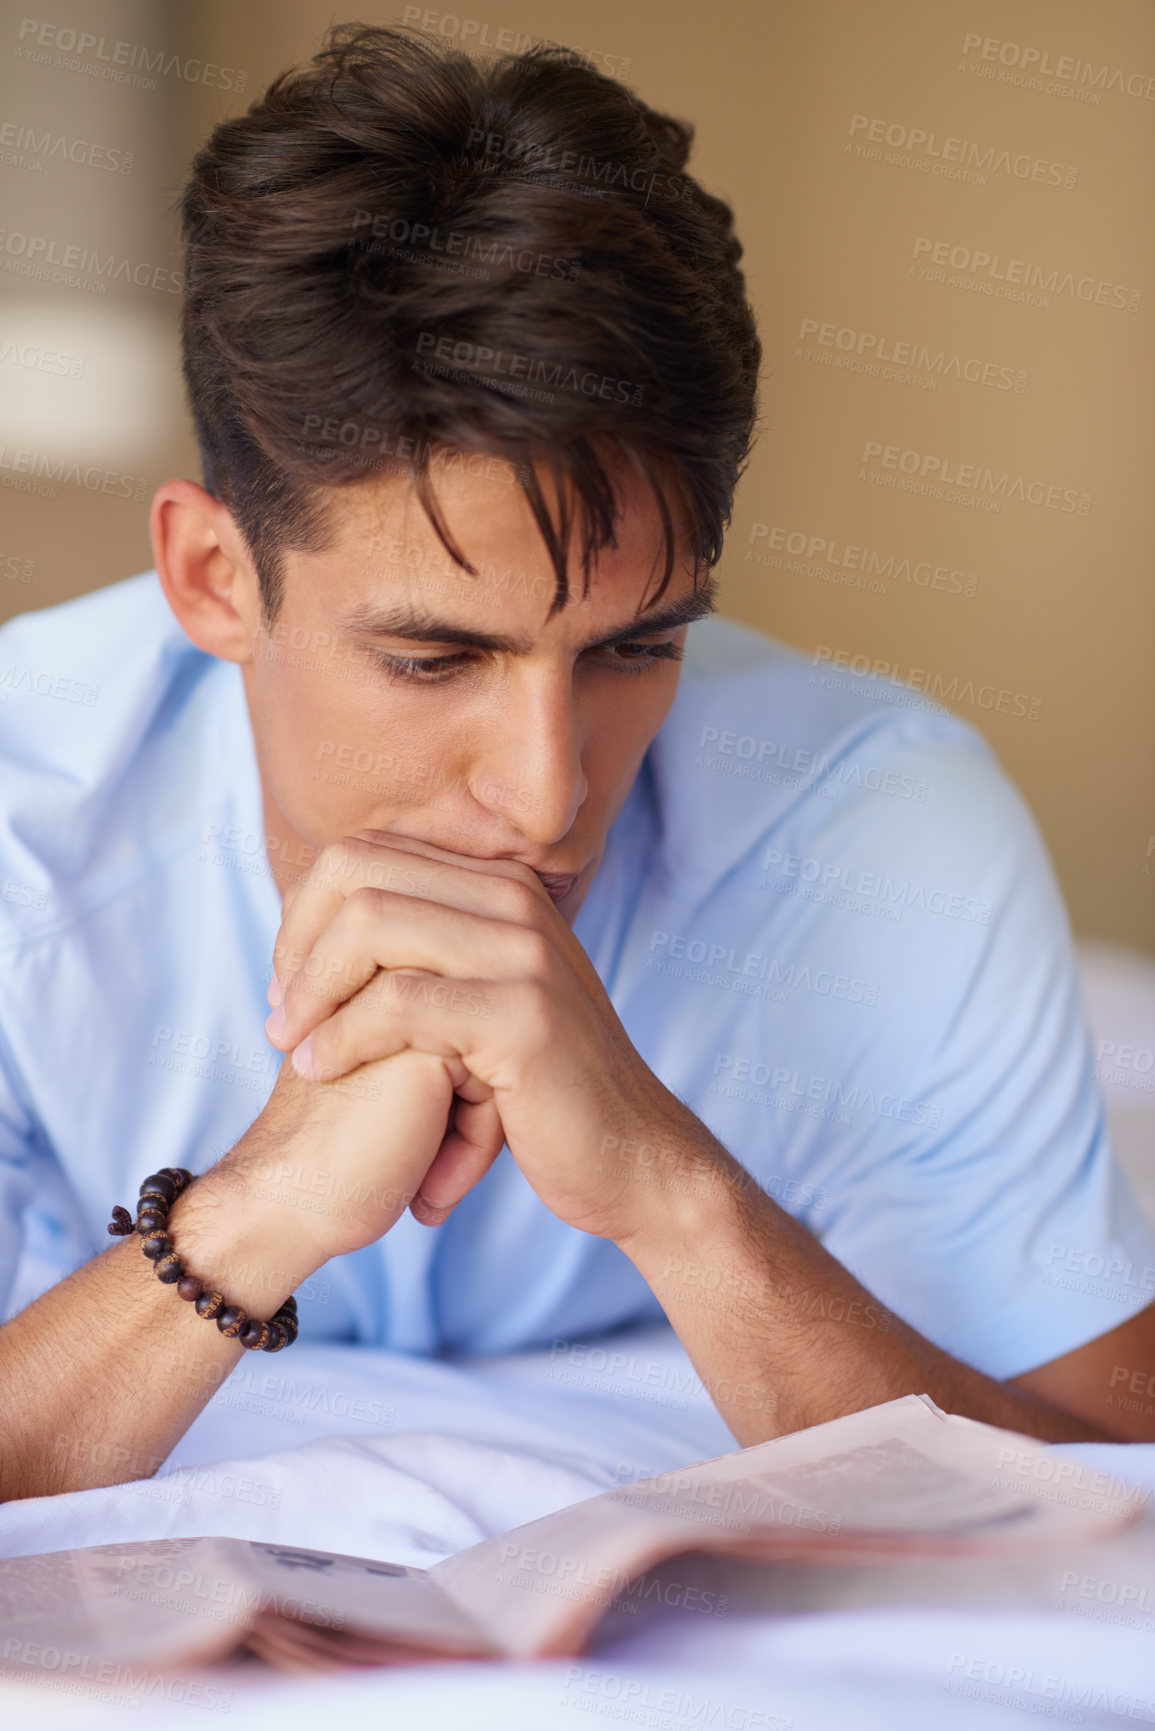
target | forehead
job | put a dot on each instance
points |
(383, 546)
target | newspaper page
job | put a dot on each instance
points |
(900, 1479)
(108, 1615)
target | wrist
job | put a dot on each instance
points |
(236, 1239)
(694, 1208)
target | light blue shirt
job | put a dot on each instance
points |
(824, 916)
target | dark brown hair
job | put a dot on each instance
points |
(396, 246)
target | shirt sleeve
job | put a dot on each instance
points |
(964, 1156)
(42, 1238)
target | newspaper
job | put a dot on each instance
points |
(900, 1480)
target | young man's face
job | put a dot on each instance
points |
(396, 692)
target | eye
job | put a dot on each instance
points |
(635, 655)
(418, 669)
(629, 655)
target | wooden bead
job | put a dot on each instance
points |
(158, 1184)
(157, 1193)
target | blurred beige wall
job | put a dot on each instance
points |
(947, 217)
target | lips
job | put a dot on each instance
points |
(557, 887)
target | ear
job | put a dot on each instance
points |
(206, 570)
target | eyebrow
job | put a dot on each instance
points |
(418, 626)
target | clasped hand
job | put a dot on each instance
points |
(391, 945)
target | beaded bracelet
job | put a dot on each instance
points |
(157, 1194)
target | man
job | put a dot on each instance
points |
(585, 1025)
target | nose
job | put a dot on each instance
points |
(528, 769)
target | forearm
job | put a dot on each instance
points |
(783, 1336)
(114, 1358)
(102, 1375)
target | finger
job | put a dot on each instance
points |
(399, 1010)
(473, 1089)
(470, 1147)
(511, 869)
(276, 988)
(375, 929)
(501, 889)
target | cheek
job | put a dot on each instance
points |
(340, 755)
(621, 723)
(306, 715)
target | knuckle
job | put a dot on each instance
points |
(288, 960)
(536, 1007)
(330, 858)
(365, 905)
(535, 954)
(523, 901)
(337, 861)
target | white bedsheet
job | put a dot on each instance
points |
(408, 1460)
